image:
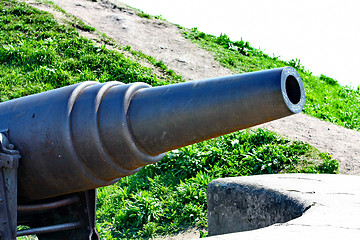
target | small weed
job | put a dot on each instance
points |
(328, 80)
(203, 234)
(160, 17)
(144, 15)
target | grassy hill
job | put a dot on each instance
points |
(38, 54)
(325, 98)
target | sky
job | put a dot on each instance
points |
(323, 34)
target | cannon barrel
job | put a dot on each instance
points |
(89, 134)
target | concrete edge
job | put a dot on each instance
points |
(330, 204)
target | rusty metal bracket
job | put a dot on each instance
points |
(9, 162)
(70, 217)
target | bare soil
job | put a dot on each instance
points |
(163, 41)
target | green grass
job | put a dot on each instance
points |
(325, 98)
(38, 54)
(170, 195)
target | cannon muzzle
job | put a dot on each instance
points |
(89, 134)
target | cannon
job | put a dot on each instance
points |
(57, 147)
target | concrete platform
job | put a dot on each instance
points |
(285, 206)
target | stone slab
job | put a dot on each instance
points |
(284, 206)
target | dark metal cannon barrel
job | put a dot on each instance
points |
(183, 114)
(89, 135)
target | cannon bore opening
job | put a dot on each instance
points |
(293, 89)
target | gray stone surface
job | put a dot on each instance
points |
(234, 207)
(284, 206)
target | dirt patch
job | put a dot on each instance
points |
(153, 37)
(191, 233)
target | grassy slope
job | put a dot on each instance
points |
(325, 98)
(38, 54)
